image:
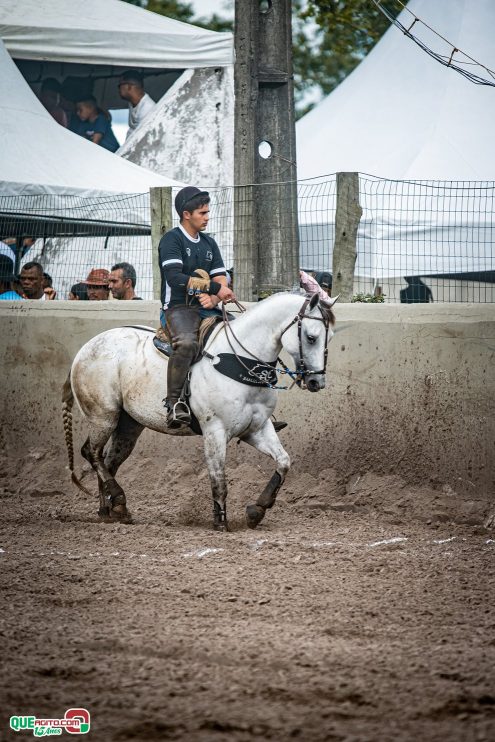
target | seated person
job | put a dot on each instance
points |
(7, 278)
(50, 97)
(93, 125)
(97, 284)
(78, 292)
(131, 89)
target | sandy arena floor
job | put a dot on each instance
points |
(361, 610)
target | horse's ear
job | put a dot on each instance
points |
(314, 301)
(331, 302)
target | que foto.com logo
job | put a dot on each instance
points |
(75, 721)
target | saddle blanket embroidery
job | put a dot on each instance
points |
(246, 370)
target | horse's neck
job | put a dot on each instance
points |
(259, 330)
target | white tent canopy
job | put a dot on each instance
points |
(107, 32)
(401, 114)
(41, 157)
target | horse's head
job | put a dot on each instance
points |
(306, 339)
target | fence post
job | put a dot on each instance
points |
(347, 216)
(161, 222)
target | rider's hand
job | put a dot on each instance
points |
(207, 301)
(225, 294)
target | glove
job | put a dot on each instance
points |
(200, 281)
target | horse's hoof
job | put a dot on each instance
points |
(254, 515)
(120, 514)
(104, 513)
(221, 527)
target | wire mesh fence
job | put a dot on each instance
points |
(416, 240)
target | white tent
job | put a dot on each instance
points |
(401, 114)
(41, 157)
(107, 32)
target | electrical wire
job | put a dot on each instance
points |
(447, 61)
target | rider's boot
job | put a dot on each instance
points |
(183, 325)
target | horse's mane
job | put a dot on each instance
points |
(326, 310)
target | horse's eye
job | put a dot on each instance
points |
(311, 339)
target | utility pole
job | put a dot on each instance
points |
(266, 236)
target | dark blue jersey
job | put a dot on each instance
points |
(179, 257)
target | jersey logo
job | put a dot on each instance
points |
(188, 250)
(209, 255)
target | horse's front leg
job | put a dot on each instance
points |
(267, 441)
(215, 442)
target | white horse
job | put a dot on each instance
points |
(119, 381)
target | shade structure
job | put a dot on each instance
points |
(401, 114)
(107, 32)
(39, 157)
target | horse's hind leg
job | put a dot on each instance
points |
(120, 447)
(111, 493)
(266, 440)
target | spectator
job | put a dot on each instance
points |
(32, 283)
(93, 125)
(7, 278)
(97, 284)
(324, 278)
(122, 281)
(78, 292)
(47, 281)
(50, 98)
(131, 89)
(416, 292)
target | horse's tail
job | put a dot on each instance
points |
(67, 404)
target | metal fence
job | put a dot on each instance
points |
(435, 234)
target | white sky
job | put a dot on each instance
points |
(224, 8)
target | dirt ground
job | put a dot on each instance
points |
(362, 610)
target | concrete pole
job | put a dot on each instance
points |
(347, 216)
(161, 222)
(266, 237)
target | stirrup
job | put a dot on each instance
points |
(179, 414)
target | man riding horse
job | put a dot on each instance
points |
(194, 282)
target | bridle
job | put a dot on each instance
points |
(300, 316)
(301, 372)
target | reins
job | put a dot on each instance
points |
(298, 376)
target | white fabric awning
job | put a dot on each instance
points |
(41, 157)
(108, 32)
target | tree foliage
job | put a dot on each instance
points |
(330, 38)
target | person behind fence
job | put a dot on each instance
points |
(131, 89)
(78, 292)
(7, 280)
(312, 286)
(122, 282)
(194, 282)
(32, 283)
(93, 125)
(97, 284)
(417, 292)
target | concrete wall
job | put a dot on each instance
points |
(411, 388)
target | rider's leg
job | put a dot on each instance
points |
(183, 326)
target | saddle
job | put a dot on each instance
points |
(162, 340)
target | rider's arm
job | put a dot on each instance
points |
(170, 261)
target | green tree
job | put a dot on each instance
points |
(330, 38)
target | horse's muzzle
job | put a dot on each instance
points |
(315, 383)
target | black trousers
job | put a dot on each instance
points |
(183, 326)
